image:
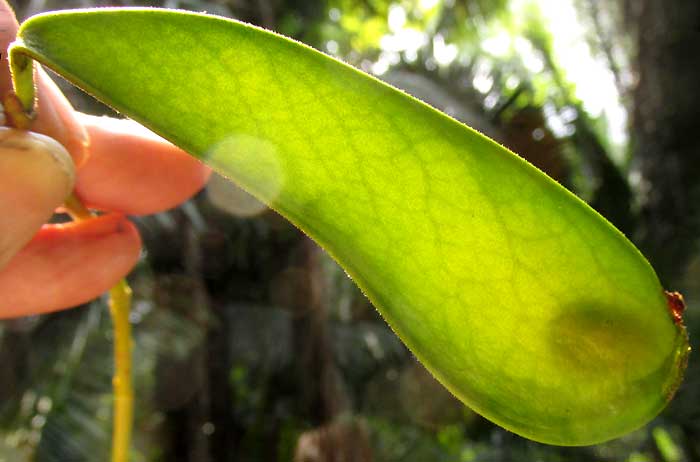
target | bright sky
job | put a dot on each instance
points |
(595, 83)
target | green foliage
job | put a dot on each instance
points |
(518, 297)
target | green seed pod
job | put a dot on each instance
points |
(517, 296)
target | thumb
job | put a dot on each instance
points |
(36, 175)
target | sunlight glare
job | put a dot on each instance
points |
(595, 84)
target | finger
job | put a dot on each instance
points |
(8, 32)
(134, 171)
(67, 265)
(36, 175)
(55, 116)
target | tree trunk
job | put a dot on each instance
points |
(665, 125)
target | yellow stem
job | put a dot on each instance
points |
(76, 209)
(119, 307)
(15, 115)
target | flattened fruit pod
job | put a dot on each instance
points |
(523, 301)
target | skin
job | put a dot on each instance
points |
(42, 170)
(115, 166)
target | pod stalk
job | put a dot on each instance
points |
(22, 70)
(19, 106)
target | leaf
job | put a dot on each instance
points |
(519, 298)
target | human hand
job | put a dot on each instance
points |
(120, 168)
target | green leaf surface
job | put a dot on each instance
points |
(518, 297)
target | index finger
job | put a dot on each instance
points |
(134, 171)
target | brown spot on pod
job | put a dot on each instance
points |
(676, 306)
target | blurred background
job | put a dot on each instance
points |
(252, 345)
